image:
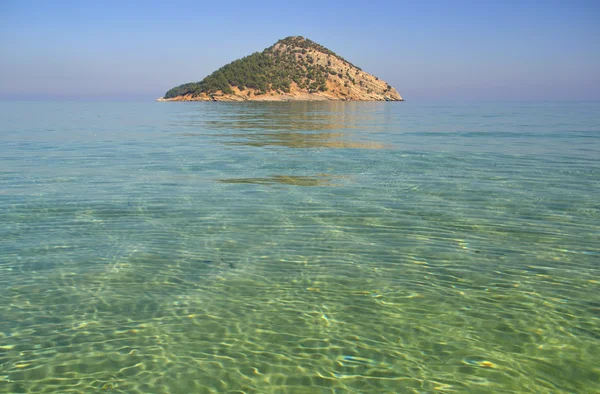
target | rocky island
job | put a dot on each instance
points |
(293, 69)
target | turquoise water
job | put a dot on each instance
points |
(299, 248)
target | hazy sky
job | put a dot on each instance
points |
(435, 49)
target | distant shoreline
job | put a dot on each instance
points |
(271, 99)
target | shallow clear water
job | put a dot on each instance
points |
(299, 247)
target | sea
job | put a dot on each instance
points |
(301, 247)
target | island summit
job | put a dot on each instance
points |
(293, 69)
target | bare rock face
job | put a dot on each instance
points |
(293, 69)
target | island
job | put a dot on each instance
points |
(293, 69)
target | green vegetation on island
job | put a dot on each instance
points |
(270, 70)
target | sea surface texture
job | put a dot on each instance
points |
(299, 247)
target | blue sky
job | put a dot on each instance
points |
(437, 49)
